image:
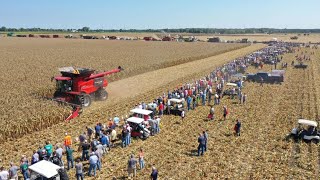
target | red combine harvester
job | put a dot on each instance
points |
(79, 86)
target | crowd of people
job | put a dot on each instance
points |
(95, 142)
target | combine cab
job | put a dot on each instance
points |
(78, 87)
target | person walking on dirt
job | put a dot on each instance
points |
(35, 157)
(237, 127)
(141, 159)
(225, 112)
(132, 166)
(124, 135)
(97, 128)
(201, 142)
(3, 173)
(24, 168)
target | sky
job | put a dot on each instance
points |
(160, 14)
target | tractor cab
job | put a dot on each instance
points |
(64, 84)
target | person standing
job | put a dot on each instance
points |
(35, 157)
(211, 113)
(24, 169)
(93, 160)
(189, 99)
(49, 148)
(79, 170)
(132, 166)
(225, 112)
(13, 171)
(237, 127)
(67, 140)
(201, 142)
(69, 154)
(98, 130)
(154, 174)
(141, 159)
(85, 151)
(89, 133)
(3, 174)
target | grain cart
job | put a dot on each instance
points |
(79, 86)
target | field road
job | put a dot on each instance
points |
(123, 94)
(143, 83)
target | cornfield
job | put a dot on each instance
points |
(28, 65)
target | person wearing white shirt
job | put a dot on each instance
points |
(4, 175)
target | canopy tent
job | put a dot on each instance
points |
(307, 122)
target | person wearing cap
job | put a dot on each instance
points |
(98, 128)
(67, 140)
(154, 174)
(132, 166)
(113, 137)
(3, 173)
(116, 120)
(85, 151)
(201, 141)
(13, 171)
(93, 160)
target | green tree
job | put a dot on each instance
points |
(85, 29)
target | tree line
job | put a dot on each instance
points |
(179, 30)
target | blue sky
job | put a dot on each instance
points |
(144, 14)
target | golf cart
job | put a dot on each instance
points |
(231, 89)
(141, 113)
(46, 170)
(138, 128)
(306, 130)
(176, 106)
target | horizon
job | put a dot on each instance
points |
(143, 15)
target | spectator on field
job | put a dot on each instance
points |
(67, 140)
(189, 100)
(225, 112)
(79, 170)
(69, 155)
(105, 143)
(237, 127)
(49, 149)
(116, 120)
(89, 133)
(85, 151)
(56, 160)
(201, 142)
(59, 151)
(13, 172)
(132, 166)
(154, 174)
(98, 128)
(35, 157)
(99, 153)
(141, 159)
(24, 166)
(3, 173)
(211, 113)
(93, 161)
(113, 137)
(124, 135)
(128, 139)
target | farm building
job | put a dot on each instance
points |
(244, 40)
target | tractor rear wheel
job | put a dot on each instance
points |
(102, 94)
(85, 100)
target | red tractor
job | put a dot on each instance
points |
(79, 86)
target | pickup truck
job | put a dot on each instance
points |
(276, 76)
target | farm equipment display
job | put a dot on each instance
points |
(79, 86)
(301, 66)
(276, 76)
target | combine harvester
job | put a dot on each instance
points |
(79, 86)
